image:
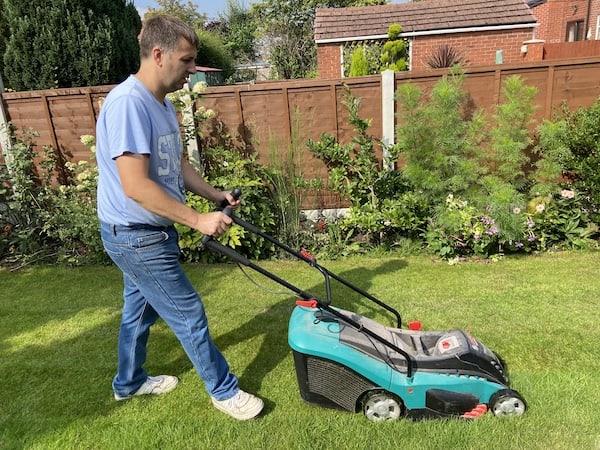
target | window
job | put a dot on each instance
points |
(575, 31)
(597, 28)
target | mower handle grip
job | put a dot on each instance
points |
(236, 194)
(225, 209)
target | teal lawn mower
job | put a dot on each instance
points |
(347, 361)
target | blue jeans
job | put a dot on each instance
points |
(155, 285)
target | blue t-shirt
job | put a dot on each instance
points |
(132, 120)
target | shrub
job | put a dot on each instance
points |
(439, 139)
(395, 54)
(473, 170)
(383, 205)
(559, 220)
(22, 216)
(226, 169)
(359, 65)
(72, 219)
(225, 164)
(574, 145)
(460, 229)
(41, 219)
(372, 52)
(445, 56)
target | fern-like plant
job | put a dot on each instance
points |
(445, 56)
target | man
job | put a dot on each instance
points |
(141, 194)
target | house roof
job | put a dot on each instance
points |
(207, 69)
(427, 17)
(534, 3)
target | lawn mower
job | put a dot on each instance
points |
(346, 361)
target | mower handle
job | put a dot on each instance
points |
(236, 194)
(207, 241)
(226, 209)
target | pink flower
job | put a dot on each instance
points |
(567, 193)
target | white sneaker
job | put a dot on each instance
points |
(153, 385)
(241, 406)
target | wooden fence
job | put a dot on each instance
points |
(569, 50)
(268, 115)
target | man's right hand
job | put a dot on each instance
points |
(213, 224)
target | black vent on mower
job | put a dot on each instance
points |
(329, 384)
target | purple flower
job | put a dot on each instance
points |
(492, 231)
(487, 220)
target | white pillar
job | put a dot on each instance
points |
(388, 114)
(189, 125)
(4, 140)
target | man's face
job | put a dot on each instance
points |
(179, 64)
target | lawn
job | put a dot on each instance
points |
(59, 330)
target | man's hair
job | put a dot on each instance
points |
(164, 31)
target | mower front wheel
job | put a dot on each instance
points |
(507, 402)
(380, 405)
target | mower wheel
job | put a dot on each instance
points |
(379, 406)
(507, 402)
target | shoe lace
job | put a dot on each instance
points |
(239, 400)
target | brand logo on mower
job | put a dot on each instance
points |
(448, 344)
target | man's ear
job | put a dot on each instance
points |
(158, 56)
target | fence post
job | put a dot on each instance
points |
(388, 115)
(4, 139)
(189, 126)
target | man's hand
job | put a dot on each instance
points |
(213, 224)
(231, 200)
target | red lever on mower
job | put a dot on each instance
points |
(307, 303)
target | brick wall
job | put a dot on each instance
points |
(554, 15)
(478, 49)
(594, 14)
(542, 13)
(329, 62)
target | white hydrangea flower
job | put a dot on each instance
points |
(88, 140)
(200, 87)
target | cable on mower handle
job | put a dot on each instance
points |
(236, 193)
(214, 245)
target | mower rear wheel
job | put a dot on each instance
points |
(379, 406)
(507, 402)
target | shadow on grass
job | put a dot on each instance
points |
(58, 378)
(53, 372)
(272, 324)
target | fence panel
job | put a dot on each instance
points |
(268, 115)
(570, 50)
(59, 116)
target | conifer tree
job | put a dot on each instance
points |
(359, 65)
(395, 53)
(69, 43)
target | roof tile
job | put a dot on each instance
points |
(430, 15)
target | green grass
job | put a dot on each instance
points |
(58, 353)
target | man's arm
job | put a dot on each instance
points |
(133, 173)
(196, 184)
